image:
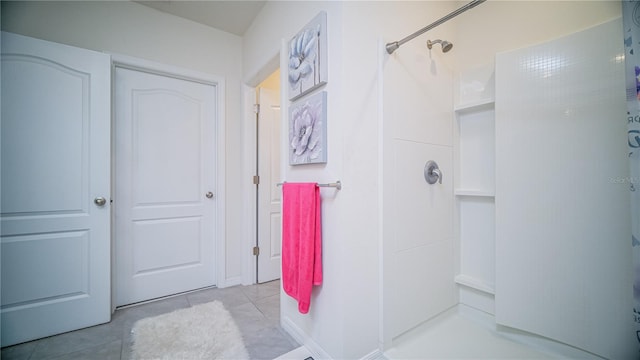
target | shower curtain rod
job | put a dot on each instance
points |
(393, 46)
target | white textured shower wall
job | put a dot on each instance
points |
(562, 228)
(418, 255)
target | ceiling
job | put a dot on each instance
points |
(231, 16)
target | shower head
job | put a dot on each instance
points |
(446, 46)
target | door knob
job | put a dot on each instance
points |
(209, 195)
(100, 201)
(432, 172)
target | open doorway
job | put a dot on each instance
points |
(268, 166)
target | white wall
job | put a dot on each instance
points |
(325, 327)
(344, 320)
(127, 28)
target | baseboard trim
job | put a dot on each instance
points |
(316, 350)
(298, 335)
(232, 281)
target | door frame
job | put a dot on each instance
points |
(264, 145)
(132, 63)
(250, 99)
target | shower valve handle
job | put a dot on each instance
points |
(432, 172)
(437, 173)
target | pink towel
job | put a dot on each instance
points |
(301, 241)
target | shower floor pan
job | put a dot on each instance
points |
(466, 333)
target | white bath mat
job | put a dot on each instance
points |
(205, 331)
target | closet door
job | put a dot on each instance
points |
(55, 210)
(165, 185)
(563, 231)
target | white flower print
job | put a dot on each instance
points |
(306, 133)
(303, 53)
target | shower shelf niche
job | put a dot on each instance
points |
(469, 192)
(475, 148)
(475, 284)
(478, 105)
(474, 190)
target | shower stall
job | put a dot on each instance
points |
(527, 226)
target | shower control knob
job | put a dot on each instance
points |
(432, 172)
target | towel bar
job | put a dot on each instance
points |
(337, 185)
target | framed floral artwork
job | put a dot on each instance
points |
(308, 130)
(307, 66)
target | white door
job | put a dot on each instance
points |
(269, 195)
(164, 185)
(563, 231)
(55, 149)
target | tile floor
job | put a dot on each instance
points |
(255, 308)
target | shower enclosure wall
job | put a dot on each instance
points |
(551, 231)
(418, 245)
(523, 225)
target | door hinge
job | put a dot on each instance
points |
(256, 180)
(256, 108)
(256, 250)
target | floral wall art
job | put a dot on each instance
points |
(308, 130)
(307, 67)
